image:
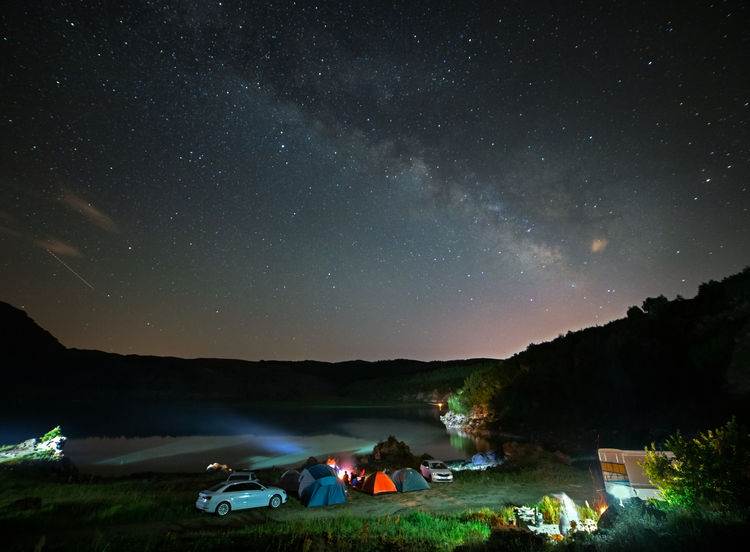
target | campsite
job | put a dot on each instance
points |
(42, 509)
(57, 506)
(156, 510)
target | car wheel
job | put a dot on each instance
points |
(223, 509)
(275, 501)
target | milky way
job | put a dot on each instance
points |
(406, 180)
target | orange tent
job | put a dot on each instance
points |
(377, 483)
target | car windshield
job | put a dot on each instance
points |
(439, 465)
(216, 487)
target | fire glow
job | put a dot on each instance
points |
(341, 470)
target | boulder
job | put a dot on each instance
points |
(394, 453)
(527, 451)
(608, 519)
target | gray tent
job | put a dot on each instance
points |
(290, 481)
(408, 479)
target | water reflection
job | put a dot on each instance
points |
(466, 443)
(186, 438)
(120, 455)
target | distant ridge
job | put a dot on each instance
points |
(674, 364)
(59, 374)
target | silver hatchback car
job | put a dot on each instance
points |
(435, 470)
(242, 476)
(224, 497)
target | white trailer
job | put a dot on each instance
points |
(624, 477)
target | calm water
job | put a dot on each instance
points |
(186, 437)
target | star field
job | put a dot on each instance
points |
(419, 180)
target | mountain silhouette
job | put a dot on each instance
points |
(683, 363)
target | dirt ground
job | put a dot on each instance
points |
(441, 498)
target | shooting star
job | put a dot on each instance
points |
(66, 266)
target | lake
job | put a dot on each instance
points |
(116, 439)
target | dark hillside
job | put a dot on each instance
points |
(33, 359)
(26, 350)
(21, 337)
(670, 364)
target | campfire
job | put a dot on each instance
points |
(341, 470)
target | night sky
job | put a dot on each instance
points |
(427, 180)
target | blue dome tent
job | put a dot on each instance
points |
(319, 486)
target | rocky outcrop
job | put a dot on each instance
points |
(390, 448)
(452, 420)
(391, 454)
(474, 424)
(50, 447)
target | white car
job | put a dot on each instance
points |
(435, 470)
(233, 495)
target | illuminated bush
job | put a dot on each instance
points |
(475, 396)
(51, 434)
(550, 509)
(709, 470)
(587, 512)
(458, 403)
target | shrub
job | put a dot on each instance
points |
(508, 512)
(458, 404)
(550, 509)
(586, 512)
(710, 470)
(51, 434)
(490, 518)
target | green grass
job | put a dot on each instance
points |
(417, 531)
(152, 499)
(156, 512)
(541, 471)
(103, 513)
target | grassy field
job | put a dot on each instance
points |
(45, 511)
(156, 511)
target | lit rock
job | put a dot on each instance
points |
(34, 449)
(453, 420)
